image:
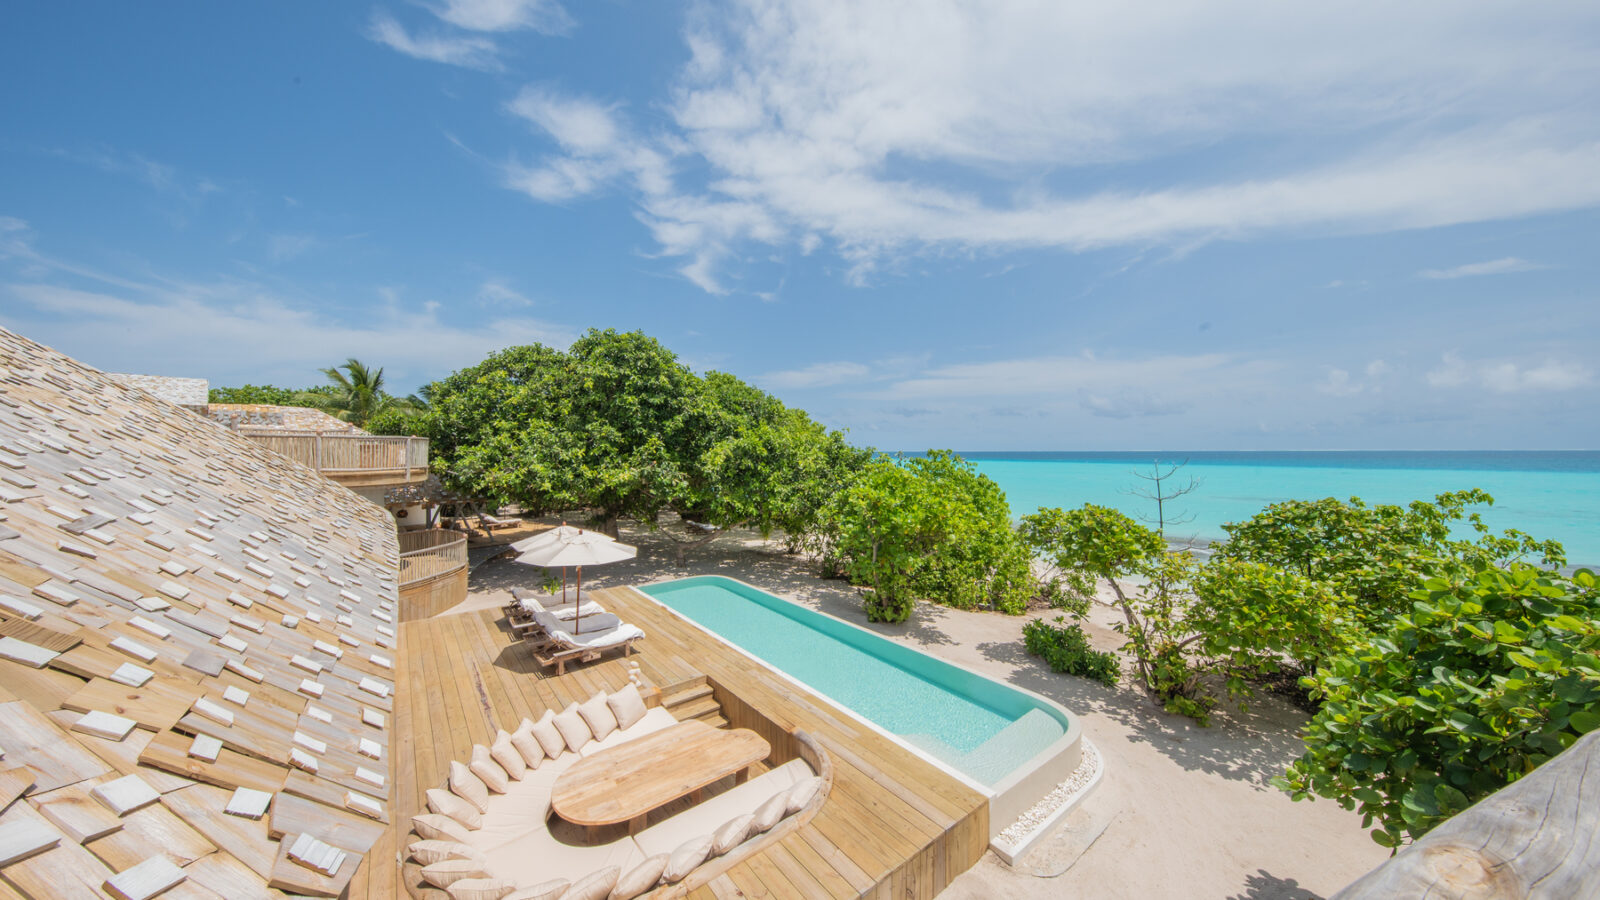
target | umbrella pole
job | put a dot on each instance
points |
(578, 599)
(563, 585)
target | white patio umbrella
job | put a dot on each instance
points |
(586, 548)
(544, 539)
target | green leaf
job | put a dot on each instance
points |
(1584, 721)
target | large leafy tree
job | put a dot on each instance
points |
(929, 527)
(1487, 676)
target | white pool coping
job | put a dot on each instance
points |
(1018, 792)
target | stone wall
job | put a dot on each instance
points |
(190, 392)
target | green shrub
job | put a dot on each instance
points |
(1066, 649)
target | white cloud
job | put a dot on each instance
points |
(1492, 267)
(497, 293)
(889, 130)
(467, 51)
(282, 247)
(580, 125)
(1510, 377)
(544, 16)
(824, 374)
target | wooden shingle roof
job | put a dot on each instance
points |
(196, 648)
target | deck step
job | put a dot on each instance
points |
(705, 706)
(688, 695)
(716, 721)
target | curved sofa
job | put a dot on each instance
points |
(488, 835)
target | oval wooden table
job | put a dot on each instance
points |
(624, 783)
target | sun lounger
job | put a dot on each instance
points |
(526, 605)
(490, 523)
(562, 646)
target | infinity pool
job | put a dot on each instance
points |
(993, 734)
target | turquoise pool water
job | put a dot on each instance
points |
(980, 727)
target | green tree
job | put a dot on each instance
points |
(267, 395)
(1488, 675)
(358, 392)
(928, 527)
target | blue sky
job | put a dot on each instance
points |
(1236, 225)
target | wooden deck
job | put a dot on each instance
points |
(892, 825)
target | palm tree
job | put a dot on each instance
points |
(359, 390)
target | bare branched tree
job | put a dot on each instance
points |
(1165, 485)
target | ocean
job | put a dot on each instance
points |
(1548, 494)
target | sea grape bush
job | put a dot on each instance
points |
(1485, 678)
(1065, 648)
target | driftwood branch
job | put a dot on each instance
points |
(1538, 838)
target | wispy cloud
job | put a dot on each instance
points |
(468, 51)
(1492, 267)
(887, 135)
(543, 16)
(1511, 376)
(496, 292)
(284, 247)
(823, 374)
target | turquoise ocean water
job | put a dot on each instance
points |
(1553, 494)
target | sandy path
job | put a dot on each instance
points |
(1191, 812)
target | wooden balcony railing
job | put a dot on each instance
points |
(430, 553)
(338, 454)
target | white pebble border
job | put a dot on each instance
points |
(1020, 835)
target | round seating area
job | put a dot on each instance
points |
(488, 834)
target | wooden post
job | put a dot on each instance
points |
(319, 451)
(1534, 839)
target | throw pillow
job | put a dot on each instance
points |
(595, 885)
(528, 745)
(801, 794)
(447, 872)
(574, 731)
(428, 852)
(598, 716)
(436, 827)
(468, 786)
(484, 766)
(548, 890)
(508, 756)
(550, 739)
(686, 858)
(479, 889)
(447, 804)
(731, 834)
(770, 813)
(627, 706)
(640, 878)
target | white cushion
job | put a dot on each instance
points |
(596, 886)
(509, 757)
(731, 834)
(703, 818)
(449, 871)
(468, 786)
(538, 855)
(574, 730)
(527, 745)
(549, 890)
(436, 827)
(689, 855)
(640, 878)
(627, 706)
(520, 810)
(428, 852)
(484, 766)
(598, 716)
(479, 889)
(801, 794)
(549, 738)
(655, 720)
(770, 813)
(447, 804)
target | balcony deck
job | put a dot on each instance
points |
(892, 825)
(353, 460)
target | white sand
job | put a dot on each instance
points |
(1191, 813)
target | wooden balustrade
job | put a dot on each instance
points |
(342, 455)
(430, 553)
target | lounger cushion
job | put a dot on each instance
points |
(484, 766)
(447, 804)
(598, 716)
(703, 818)
(689, 855)
(449, 871)
(549, 738)
(436, 827)
(731, 834)
(640, 878)
(574, 731)
(653, 721)
(509, 758)
(527, 745)
(627, 706)
(801, 794)
(479, 889)
(549, 890)
(428, 852)
(522, 809)
(596, 886)
(539, 855)
(770, 813)
(468, 786)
